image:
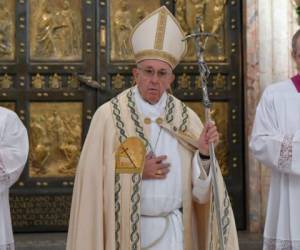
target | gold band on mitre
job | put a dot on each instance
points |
(156, 54)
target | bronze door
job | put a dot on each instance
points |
(47, 45)
(51, 51)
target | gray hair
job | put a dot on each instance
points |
(294, 42)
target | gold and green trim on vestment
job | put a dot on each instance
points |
(135, 117)
(122, 136)
(135, 193)
(225, 217)
(169, 116)
(117, 118)
(117, 211)
(185, 118)
(135, 214)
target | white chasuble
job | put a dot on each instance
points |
(106, 201)
(13, 155)
(275, 142)
(161, 200)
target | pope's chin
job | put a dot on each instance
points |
(152, 98)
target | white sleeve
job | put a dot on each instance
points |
(269, 145)
(13, 149)
(201, 179)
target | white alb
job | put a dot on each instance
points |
(13, 155)
(161, 200)
(275, 142)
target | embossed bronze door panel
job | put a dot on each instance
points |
(48, 44)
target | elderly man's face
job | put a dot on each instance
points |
(153, 78)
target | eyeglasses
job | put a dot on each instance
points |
(150, 72)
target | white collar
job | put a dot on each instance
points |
(147, 109)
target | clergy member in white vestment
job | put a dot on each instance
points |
(275, 141)
(13, 155)
(143, 179)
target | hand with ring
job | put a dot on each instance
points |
(208, 135)
(155, 168)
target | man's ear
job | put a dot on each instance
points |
(135, 72)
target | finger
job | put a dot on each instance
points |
(212, 128)
(160, 177)
(160, 174)
(212, 133)
(149, 161)
(209, 131)
(214, 139)
(160, 158)
(163, 171)
(150, 155)
(205, 128)
(163, 165)
(211, 123)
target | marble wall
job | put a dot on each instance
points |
(269, 26)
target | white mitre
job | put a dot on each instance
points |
(159, 36)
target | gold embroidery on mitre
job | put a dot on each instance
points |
(160, 30)
(130, 156)
(156, 54)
